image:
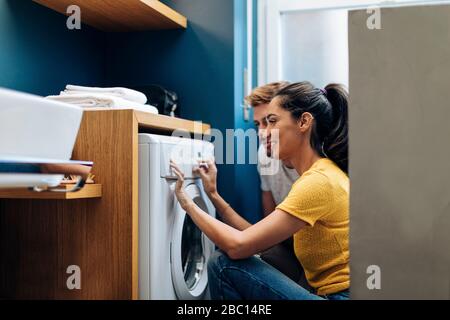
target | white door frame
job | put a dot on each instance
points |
(249, 74)
(269, 26)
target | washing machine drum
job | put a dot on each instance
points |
(190, 251)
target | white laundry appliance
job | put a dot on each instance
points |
(173, 252)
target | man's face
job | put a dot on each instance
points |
(259, 118)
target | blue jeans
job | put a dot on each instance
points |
(253, 279)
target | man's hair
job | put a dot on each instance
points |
(265, 94)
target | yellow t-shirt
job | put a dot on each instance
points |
(320, 197)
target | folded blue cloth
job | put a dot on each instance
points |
(19, 168)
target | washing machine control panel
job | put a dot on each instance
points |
(187, 154)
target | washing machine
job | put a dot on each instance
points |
(173, 252)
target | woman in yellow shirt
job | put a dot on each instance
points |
(308, 127)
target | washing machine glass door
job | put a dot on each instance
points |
(190, 251)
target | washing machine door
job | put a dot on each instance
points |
(190, 251)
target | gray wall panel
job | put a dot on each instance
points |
(400, 152)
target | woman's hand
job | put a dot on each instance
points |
(208, 174)
(184, 200)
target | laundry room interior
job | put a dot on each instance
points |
(148, 145)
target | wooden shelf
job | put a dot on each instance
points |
(122, 15)
(88, 191)
(166, 123)
(160, 122)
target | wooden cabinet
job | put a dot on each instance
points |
(41, 238)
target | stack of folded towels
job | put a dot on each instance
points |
(114, 98)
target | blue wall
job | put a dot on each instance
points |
(197, 63)
(203, 64)
(38, 54)
(248, 196)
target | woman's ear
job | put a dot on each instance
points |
(305, 122)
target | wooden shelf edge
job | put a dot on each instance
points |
(88, 191)
(166, 123)
(161, 122)
(122, 15)
(167, 12)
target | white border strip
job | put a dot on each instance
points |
(292, 6)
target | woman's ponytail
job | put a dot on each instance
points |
(335, 144)
(329, 107)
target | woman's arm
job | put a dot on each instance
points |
(273, 229)
(227, 213)
(229, 216)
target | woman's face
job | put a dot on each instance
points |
(284, 135)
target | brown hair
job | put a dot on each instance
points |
(329, 108)
(265, 94)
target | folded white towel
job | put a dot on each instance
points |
(102, 101)
(125, 93)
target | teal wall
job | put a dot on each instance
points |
(38, 54)
(203, 64)
(248, 196)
